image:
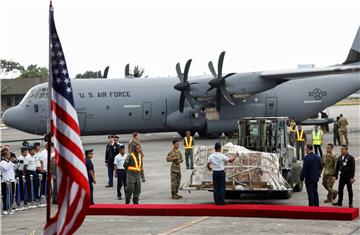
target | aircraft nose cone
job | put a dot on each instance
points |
(12, 118)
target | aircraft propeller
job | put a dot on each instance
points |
(127, 70)
(184, 86)
(106, 71)
(218, 82)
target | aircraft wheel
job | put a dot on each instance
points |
(182, 133)
(213, 135)
(202, 134)
(229, 134)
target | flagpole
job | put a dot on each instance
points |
(49, 132)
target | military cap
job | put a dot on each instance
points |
(25, 143)
(36, 144)
(23, 148)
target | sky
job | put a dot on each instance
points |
(156, 34)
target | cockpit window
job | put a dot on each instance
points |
(42, 95)
(37, 92)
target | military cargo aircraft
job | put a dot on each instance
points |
(209, 105)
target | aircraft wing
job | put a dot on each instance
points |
(308, 72)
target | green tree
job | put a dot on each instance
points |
(138, 72)
(87, 74)
(34, 71)
(9, 66)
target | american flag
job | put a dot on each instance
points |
(72, 180)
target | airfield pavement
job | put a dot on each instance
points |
(156, 189)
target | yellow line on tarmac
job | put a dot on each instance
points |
(184, 225)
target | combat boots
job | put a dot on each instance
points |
(335, 194)
(175, 196)
(329, 198)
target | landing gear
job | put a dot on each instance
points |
(230, 134)
(182, 133)
(204, 134)
(214, 135)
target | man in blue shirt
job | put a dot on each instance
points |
(311, 172)
(91, 173)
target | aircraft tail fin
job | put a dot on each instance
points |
(354, 54)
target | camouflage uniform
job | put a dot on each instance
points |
(329, 164)
(54, 180)
(131, 145)
(343, 130)
(175, 157)
(292, 133)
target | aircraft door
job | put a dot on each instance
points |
(41, 114)
(270, 106)
(82, 121)
(146, 111)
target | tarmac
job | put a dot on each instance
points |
(156, 190)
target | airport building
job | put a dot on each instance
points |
(13, 90)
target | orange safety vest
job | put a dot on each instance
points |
(299, 136)
(189, 145)
(137, 166)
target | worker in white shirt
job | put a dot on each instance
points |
(120, 173)
(30, 169)
(7, 168)
(37, 156)
(216, 163)
(43, 159)
(20, 161)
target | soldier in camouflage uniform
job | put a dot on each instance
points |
(343, 123)
(329, 164)
(54, 180)
(175, 157)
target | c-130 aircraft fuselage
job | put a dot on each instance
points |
(108, 106)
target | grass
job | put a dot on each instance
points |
(348, 102)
